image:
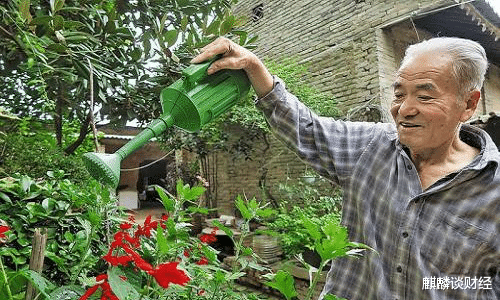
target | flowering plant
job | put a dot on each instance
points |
(160, 259)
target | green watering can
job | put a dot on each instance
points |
(189, 103)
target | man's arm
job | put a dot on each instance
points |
(330, 146)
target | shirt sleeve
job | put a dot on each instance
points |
(332, 147)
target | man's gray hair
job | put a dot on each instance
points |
(469, 62)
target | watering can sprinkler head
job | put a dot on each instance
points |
(104, 167)
(189, 103)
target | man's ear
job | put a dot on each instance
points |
(471, 102)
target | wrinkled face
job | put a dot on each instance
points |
(425, 106)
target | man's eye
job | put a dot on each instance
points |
(398, 97)
(425, 98)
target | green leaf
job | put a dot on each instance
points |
(332, 297)
(58, 22)
(170, 37)
(41, 20)
(168, 203)
(26, 183)
(24, 10)
(136, 54)
(184, 23)
(57, 47)
(17, 283)
(213, 28)
(227, 25)
(42, 284)
(311, 228)
(5, 198)
(193, 193)
(68, 236)
(56, 5)
(240, 204)
(161, 241)
(121, 288)
(67, 292)
(48, 204)
(284, 283)
(221, 226)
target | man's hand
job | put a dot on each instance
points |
(236, 57)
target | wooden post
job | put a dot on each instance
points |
(36, 260)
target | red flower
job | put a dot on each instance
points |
(186, 253)
(138, 260)
(202, 261)
(168, 273)
(164, 274)
(201, 292)
(125, 226)
(164, 219)
(102, 282)
(3, 230)
(148, 226)
(208, 238)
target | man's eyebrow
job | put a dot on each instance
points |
(426, 87)
(423, 86)
(396, 85)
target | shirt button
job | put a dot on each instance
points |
(399, 269)
(409, 167)
(405, 234)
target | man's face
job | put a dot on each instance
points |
(425, 106)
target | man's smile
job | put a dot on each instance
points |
(409, 125)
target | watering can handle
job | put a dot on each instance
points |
(195, 72)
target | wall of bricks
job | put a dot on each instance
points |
(337, 38)
(235, 175)
(342, 41)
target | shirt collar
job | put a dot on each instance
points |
(475, 137)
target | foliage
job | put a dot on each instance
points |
(77, 220)
(29, 147)
(159, 259)
(330, 240)
(53, 50)
(314, 202)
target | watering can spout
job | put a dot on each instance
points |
(104, 167)
(189, 103)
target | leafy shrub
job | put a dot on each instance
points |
(30, 148)
(320, 203)
(77, 219)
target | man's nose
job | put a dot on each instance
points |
(408, 107)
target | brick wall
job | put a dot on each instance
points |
(338, 38)
(235, 175)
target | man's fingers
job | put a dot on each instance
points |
(223, 63)
(219, 46)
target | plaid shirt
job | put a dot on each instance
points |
(438, 243)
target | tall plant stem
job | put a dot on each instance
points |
(7, 287)
(316, 277)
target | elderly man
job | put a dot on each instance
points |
(424, 192)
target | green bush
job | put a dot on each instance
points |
(78, 220)
(30, 148)
(319, 202)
